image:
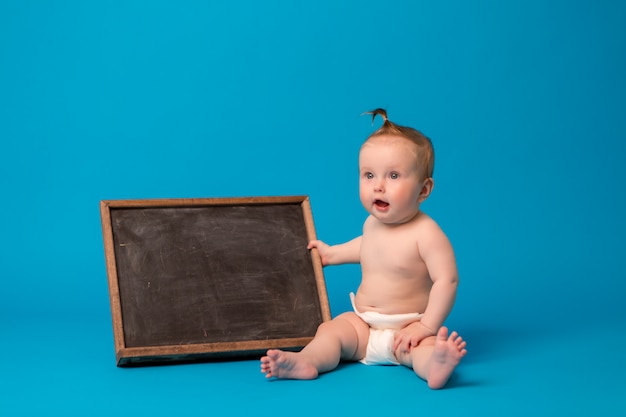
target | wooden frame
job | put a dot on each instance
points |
(211, 278)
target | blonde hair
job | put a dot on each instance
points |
(425, 151)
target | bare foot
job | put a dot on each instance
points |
(286, 365)
(447, 354)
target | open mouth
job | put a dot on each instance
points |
(381, 204)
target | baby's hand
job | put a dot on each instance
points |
(322, 248)
(410, 336)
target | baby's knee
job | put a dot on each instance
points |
(337, 323)
(355, 322)
(346, 327)
(326, 326)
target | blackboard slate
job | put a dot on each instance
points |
(207, 278)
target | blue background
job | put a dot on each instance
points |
(525, 102)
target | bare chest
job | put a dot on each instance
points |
(393, 251)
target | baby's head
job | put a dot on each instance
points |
(419, 145)
(395, 170)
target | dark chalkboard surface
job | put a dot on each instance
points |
(211, 278)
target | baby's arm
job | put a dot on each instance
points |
(437, 253)
(345, 253)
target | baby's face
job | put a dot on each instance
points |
(389, 181)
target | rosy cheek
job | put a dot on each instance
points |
(400, 193)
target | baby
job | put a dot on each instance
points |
(409, 275)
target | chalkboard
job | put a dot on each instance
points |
(197, 279)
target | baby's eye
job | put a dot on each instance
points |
(369, 175)
(394, 175)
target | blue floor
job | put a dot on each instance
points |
(67, 367)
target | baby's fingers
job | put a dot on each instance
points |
(401, 343)
(313, 244)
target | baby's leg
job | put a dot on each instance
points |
(345, 337)
(435, 358)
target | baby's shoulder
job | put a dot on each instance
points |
(424, 221)
(425, 227)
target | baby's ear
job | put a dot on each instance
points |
(427, 188)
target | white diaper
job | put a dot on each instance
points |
(383, 328)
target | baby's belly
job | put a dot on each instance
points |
(391, 300)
